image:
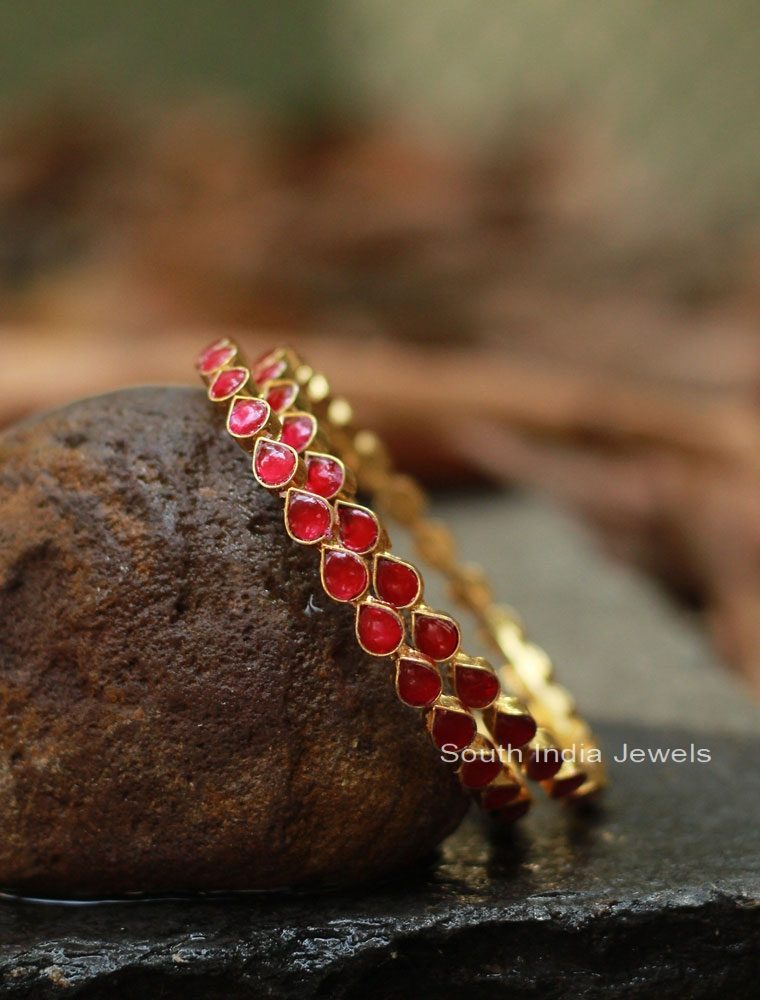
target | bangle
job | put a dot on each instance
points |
(526, 670)
(304, 449)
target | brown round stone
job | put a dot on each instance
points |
(181, 706)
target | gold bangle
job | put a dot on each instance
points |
(526, 669)
(282, 412)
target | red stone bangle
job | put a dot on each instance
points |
(525, 669)
(465, 708)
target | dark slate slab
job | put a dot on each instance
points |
(655, 894)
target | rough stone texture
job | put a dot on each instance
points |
(181, 706)
(653, 896)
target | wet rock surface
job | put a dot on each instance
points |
(654, 897)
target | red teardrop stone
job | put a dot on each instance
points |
(379, 629)
(452, 730)
(247, 417)
(227, 383)
(396, 582)
(324, 475)
(357, 527)
(436, 637)
(561, 787)
(499, 796)
(298, 430)
(542, 764)
(476, 687)
(282, 396)
(345, 576)
(309, 518)
(274, 463)
(514, 730)
(479, 772)
(215, 356)
(418, 682)
(268, 366)
(514, 811)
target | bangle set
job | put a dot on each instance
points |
(504, 728)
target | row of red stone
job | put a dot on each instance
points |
(316, 486)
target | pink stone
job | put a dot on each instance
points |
(344, 575)
(227, 383)
(215, 356)
(543, 763)
(247, 417)
(435, 635)
(396, 582)
(514, 730)
(298, 430)
(325, 475)
(268, 366)
(476, 687)
(480, 771)
(418, 681)
(379, 629)
(281, 395)
(308, 517)
(274, 463)
(358, 527)
(452, 729)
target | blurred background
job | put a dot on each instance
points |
(524, 238)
